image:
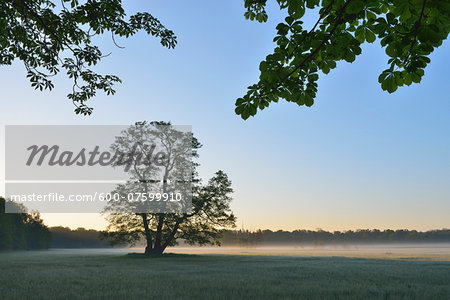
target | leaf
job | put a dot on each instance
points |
(325, 68)
(417, 75)
(407, 79)
(309, 100)
(389, 84)
(391, 51)
(282, 29)
(370, 36)
(355, 7)
(370, 15)
(398, 78)
(360, 34)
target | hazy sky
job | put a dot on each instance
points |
(359, 158)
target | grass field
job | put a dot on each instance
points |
(105, 275)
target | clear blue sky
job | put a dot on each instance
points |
(359, 158)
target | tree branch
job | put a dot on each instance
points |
(312, 54)
(416, 31)
(312, 29)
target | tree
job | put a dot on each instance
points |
(64, 237)
(37, 235)
(409, 30)
(47, 37)
(202, 223)
(19, 231)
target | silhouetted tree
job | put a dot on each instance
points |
(202, 224)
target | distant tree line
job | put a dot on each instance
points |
(64, 237)
(22, 231)
(26, 231)
(268, 237)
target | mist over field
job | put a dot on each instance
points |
(417, 251)
(410, 251)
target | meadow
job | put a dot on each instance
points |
(109, 274)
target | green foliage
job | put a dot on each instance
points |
(47, 37)
(22, 230)
(409, 30)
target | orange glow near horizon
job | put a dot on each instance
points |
(97, 222)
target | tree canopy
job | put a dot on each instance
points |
(408, 30)
(48, 36)
(130, 221)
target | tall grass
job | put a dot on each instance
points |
(68, 275)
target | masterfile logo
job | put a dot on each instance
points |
(145, 167)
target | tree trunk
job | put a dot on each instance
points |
(159, 231)
(155, 251)
(148, 248)
(172, 235)
(158, 239)
(148, 236)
